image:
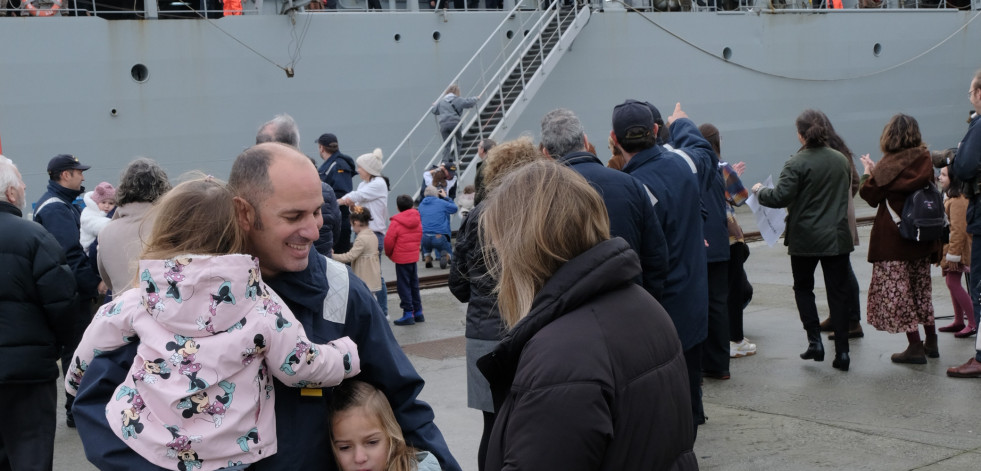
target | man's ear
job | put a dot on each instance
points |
(244, 213)
(585, 141)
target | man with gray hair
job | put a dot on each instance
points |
(628, 203)
(282, 128)
(37, 291)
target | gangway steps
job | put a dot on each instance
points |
(492, 113)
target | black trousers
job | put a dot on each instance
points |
(715, 348)
(407, 283)
(836, 281)
(28, 433)
(854, 304)
(693, 360)
(738, 292)
(343, 242)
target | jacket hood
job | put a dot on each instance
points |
(408, 218)
(200, 295)
(449, 97)
(132, 210)
(89, 202)
(608, 265)
(344, 157)
(889, 168)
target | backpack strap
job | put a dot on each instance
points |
(895, 217)
(338, 285)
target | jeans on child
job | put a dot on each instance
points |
(407, 281)
(438, 242)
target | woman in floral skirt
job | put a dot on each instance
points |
(900, 293)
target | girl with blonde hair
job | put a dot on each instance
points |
(590, 358)
(363, 256)
(365, 435)
(211, 336)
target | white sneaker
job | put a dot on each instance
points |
(741, 349)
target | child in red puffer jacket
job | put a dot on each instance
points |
(402, 244)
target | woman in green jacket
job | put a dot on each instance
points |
(814, 187)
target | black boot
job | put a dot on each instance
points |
(815, 349)
(841, 361)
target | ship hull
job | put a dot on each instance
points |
(68, 85)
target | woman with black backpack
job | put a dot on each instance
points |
(900, 292)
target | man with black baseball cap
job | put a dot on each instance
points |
(57, 212)
(676, 179)
(337, 172)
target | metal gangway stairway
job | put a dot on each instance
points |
(506, 76)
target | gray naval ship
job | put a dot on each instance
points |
(178, 82)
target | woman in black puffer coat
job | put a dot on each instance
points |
(470, 283)
(591, 375)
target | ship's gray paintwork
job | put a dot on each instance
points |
(61, 77)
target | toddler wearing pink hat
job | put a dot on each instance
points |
(98, 203)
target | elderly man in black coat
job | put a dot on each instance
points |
(37, 290)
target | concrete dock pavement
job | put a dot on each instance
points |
(777, 412)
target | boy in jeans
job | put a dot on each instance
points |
(402, 243)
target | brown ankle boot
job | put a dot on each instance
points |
(930, 346)
(913, 354)
(826, 325)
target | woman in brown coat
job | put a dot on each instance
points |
(900, 294)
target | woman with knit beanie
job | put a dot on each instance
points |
(372, 194)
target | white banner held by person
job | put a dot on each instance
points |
(770, 221)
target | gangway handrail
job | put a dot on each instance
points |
(495, 81)
(476, 54)
(504, 71)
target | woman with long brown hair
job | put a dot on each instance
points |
(591, 365)
(900, 294)
(813, 186)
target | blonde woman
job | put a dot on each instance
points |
(470, 284)
(591, 367)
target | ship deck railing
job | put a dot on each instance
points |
(184, 9)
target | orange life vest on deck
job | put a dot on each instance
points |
(234, 7)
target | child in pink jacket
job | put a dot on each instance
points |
(212, 336)
(402, 244)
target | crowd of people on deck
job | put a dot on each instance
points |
(214, 325)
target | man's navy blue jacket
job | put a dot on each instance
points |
(62, 219)
(331, 229)
(677, 183)
(337, 171)
(716, 225)
(631, 216)
(967, 167)
(301, 421)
